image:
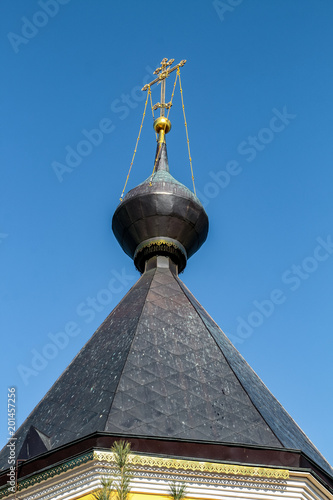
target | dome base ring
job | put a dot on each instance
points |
(160, 246)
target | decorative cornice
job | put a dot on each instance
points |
(147, 461)
(195, 466)
(38, 478)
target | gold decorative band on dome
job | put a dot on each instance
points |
(160, 245)
(195, 466)
(159, 241)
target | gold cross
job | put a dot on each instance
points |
(163, 72)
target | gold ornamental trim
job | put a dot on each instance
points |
(195, 466)
(159, 243)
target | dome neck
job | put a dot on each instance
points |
(163, 246)
(162, 262)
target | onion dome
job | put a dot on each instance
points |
(160, 216)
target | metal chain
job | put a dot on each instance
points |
(152, 108)
(188, 142)
(136, 145)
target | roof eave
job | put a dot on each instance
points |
(176, 448)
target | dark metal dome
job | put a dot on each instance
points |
(161, 216)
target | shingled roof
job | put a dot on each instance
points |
(159, 369)
(159, 366)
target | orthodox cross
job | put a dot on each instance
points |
(163, 72)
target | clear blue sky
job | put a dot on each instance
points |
(258, 91)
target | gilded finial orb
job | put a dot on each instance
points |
(162, 123)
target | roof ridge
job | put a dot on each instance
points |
(187, 291)
(290, 436)
(138, 321)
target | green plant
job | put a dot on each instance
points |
(120, 484)
(121, 450)
(106, 490)
(177, 490)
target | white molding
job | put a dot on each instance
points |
(85, 478)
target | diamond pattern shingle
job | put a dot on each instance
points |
(159, 366)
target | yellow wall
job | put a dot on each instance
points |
(135, 496)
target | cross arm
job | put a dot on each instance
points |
(164, 74)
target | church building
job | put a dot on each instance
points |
(160, 374)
